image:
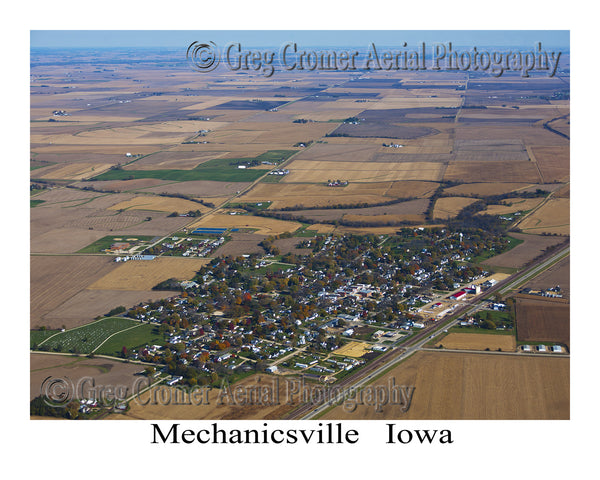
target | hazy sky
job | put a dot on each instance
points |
(270, 38)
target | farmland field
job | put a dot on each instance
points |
(104, 371)
(320, 171)
(55, 279)
(558, 274)
(85, 306)
(512, 205)
(138, 275)
(286, 195)
(160, 204)
(263, 225)
(542, 321)
(448, 207)
(532, 246)
(478, 341)
(474, 387)
(552, 217)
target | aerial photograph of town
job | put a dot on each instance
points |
(254, 226)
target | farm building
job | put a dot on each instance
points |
(459, 295)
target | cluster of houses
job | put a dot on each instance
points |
(279, 172)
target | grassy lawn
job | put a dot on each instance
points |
(87, 338)
(138, 337)
(38, 336)
(272, 178)
(471, 329)
(105, 242)
(305, 232)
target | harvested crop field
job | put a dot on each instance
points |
(382, 220)
(122, 185)
(558, 274)
(173, 160)
(449, 207)
(412, 208)
(137, 275)
(321, 171)
(303, 195)
(542, 321)
(86, 305)
(552, 217)
(494, 172)
(532, 246)
(55, 279)
(263, 225)
(512, 205)
(241, 244)
(553, 162)
(484, 189)
(478, 341)
(220, 404)
(73, 171)
(160, 204)
(333, 153)
(201, 188)
(474, 386)
(102, 370)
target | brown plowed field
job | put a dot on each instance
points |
(55, 279)
(85, 306)
(543, 321)
(494, 172)
(518, 256)
(558, 274)
(103, 371)
(554, 162)
(474, 386)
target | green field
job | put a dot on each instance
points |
(87, 338)
(38, 336)
(105, 242)
(35, 203)
(142, 335)
(218, 169)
